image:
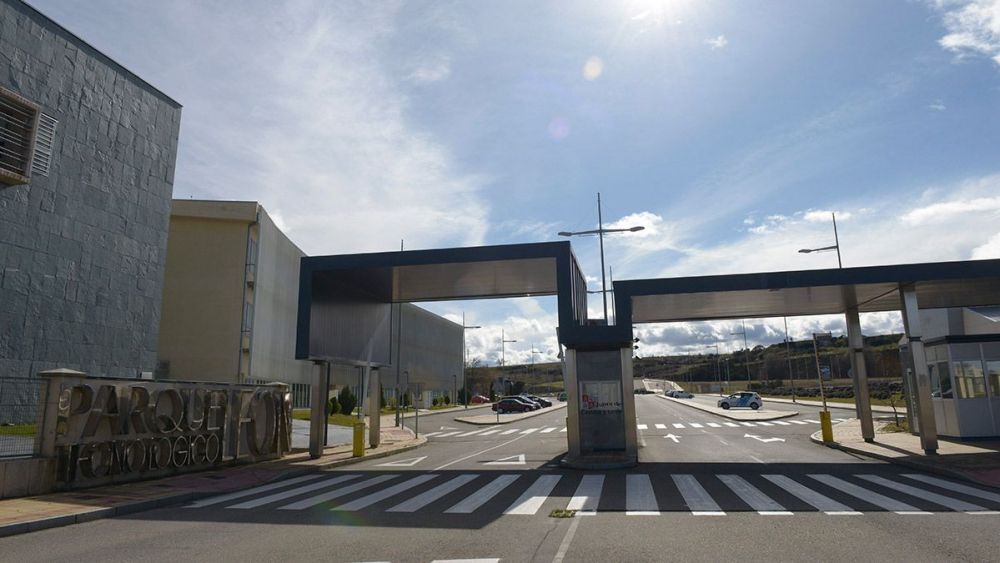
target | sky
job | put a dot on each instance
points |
(730, 131)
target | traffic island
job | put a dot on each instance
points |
(29, 514)
(740, 415)
(974, 461)
(484, 419)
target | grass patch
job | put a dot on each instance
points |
(338, 419)
(442, 407)
(903, 426)
(18, 430)
(562, 513)
(841, 400)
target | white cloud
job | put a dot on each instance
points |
(433, 70)
(937, 105)
(825, 216)
(989, 249)
(973, 27)
(718, 42)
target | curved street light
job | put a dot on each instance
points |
(835, 246)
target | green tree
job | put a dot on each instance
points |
(334, 405)
(447, 399)
(517, 388)
(347, 400)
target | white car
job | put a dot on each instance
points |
(742, 399)
(680, 394)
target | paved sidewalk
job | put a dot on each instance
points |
(390, 419)
(507, 418)
(977, 461)
(27, 514)
(742, 415)
(834, 405)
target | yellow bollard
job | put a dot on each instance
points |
(359, 439)
(826, 426)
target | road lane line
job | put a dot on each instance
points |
(731, 424)
(867, 495)
(587, 495)
(373, 498)
(336, 493)
(811, 497)
(763, 504)
(762, 423)
(294, 492)
(642, 426)
(563, 430)
(947, 502)
(462, 435)
(696, 497)
(747, 423)
(493, 431)
(511, 431)
(678, 425)
(714, 425)
(799, 422)
(247, 492)
(640, 500)
(956, 487)
(782, 423)
(446, 434)
(547, 430)
(812, 421)
(427, 497)
(532, 499)
(530, 430)
(695, 425)
(661, 426)
(439, 468)
(429, 434)
(483, 495)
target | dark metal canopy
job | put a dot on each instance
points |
(809, 292)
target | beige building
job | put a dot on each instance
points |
(229, 296)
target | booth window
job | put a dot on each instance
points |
(940, 380)
(969, 379)
(993, 376)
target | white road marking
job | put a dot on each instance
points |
(563, 430)
(958, 488)
(762, 423)
(517, 459)
(494, 560)
(678, 425)
(763, 504)
(493, 431)
(747, 423)
(782, 422)
(696, 497)
(252, 491)
(511, 431)
(429, 434)
(489, 449)
(813, 421)
(532, 499)
(483, 495)
(640, 500)
(731, 424)
(672, 437)
(714, 425)
(811, 497)
(471, 433)
(427, 497)
(799, 422)
(547, 430)
(446, 434)
(695, 425)
(642, 426)
(587, 495)
(661, 426)
(336, 493)
(403, 462)
(948, 502)
(530, 430)
(294, 492)
(379, 496)
(866, 495)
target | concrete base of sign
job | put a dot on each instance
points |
(599, 461)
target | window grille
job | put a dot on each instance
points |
(18, 119)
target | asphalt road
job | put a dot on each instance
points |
(705, 491)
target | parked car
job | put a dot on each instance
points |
(524, 399)
(511, 405)
(562, 396)
(680, 394)
(742, 399)
(479, 400)
(540, 401)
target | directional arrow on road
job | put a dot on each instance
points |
(672, 437)
(403, 462)
(765, 440)
(510, 460)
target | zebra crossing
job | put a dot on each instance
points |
(506, 432)
(590, 494)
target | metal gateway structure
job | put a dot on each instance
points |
(345, 317)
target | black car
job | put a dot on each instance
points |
(534, 405)
(511, 405)
(540, 401)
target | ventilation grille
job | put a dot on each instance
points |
(44, 140)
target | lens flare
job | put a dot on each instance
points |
(593, 68)
(559, 128)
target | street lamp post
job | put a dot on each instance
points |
(503, 351)
(600, 235)
(746, 349)
(819, 373)
(788, 356)
(465, 360)
(718, 368)
(836, 243)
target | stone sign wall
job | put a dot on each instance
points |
(102, 430)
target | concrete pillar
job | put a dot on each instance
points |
(374, 409)
(572, 404)
(45, 439)
(856, 351)
(317, 410)
(628, 405)
(921, 377)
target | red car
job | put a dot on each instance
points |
(511, 405)
(479, 399)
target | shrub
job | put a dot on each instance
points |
(334, 405)
(447, 400)
(347, 400)
(434, 401)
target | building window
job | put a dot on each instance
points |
(18, 122)
(940, 380)
(993, 374)
(969, 379)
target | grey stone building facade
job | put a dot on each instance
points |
(84, 205)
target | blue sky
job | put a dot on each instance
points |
(729, 130)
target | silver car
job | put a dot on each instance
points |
(742, 399)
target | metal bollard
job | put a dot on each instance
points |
(359, 439)
(826, 426)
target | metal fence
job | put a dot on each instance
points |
(18, 415)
